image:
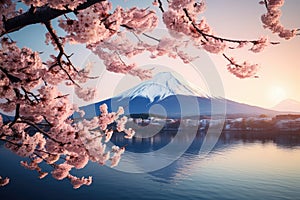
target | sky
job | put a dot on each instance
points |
(280, 65)
(239, 19)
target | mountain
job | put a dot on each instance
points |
(6, 118)
(171, 96)
(161, 86)
(287, 105)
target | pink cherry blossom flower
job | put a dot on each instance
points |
(61, 171)
(3, 181)
(260, 45)
(78, 182)
(214, 46)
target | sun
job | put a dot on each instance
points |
(277, 93)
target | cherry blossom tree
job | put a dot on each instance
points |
(41, 129)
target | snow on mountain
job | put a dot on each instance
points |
(162, 85)
(287, 105)
(172, 93)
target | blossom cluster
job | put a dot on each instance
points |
(260, 45)
(89, 26)
(42, 129)
(86, 94)
(183, 17)
(271, 19)
(75, 143)
(56, 4)
(95, 27)
(95, 141)
(244, 70)
(214, 46)
(95, 23)
(110, 52)
(107, 118)
(23, 65)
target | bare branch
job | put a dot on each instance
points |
(160, 5)
(132, 30)
(151, 37)
(266, 4)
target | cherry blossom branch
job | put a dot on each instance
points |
(56, 40)
(12, 79)
(271, 19)
(61, 51)
(206, 35)
(17, 111)
(40, 15)
(244, 70)
(230, 60)
(42, 151)
(70, 62)
(46, 120)
(145, 34)
(31, 94)
(40, 130)
(10, 142)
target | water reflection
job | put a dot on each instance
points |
(138, 144)
(243, 165)
(181, 168)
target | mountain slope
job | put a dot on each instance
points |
(162, 85)
(287, 105)
(173, 97)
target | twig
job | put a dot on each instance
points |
(40, 130)
(10, 142)
(33, 95)
(17, 112)
(160, 5)
(151, 37)
(230, 61)
(266, 5)
(12, 79)
(47, 121)
(61, 51)
(206, 35)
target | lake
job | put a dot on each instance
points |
(241, 166)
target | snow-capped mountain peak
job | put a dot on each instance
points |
(162, 85)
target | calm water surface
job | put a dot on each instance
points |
(241, 166)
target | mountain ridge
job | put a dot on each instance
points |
(173, 97)
(287, 105)
(162, 85)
